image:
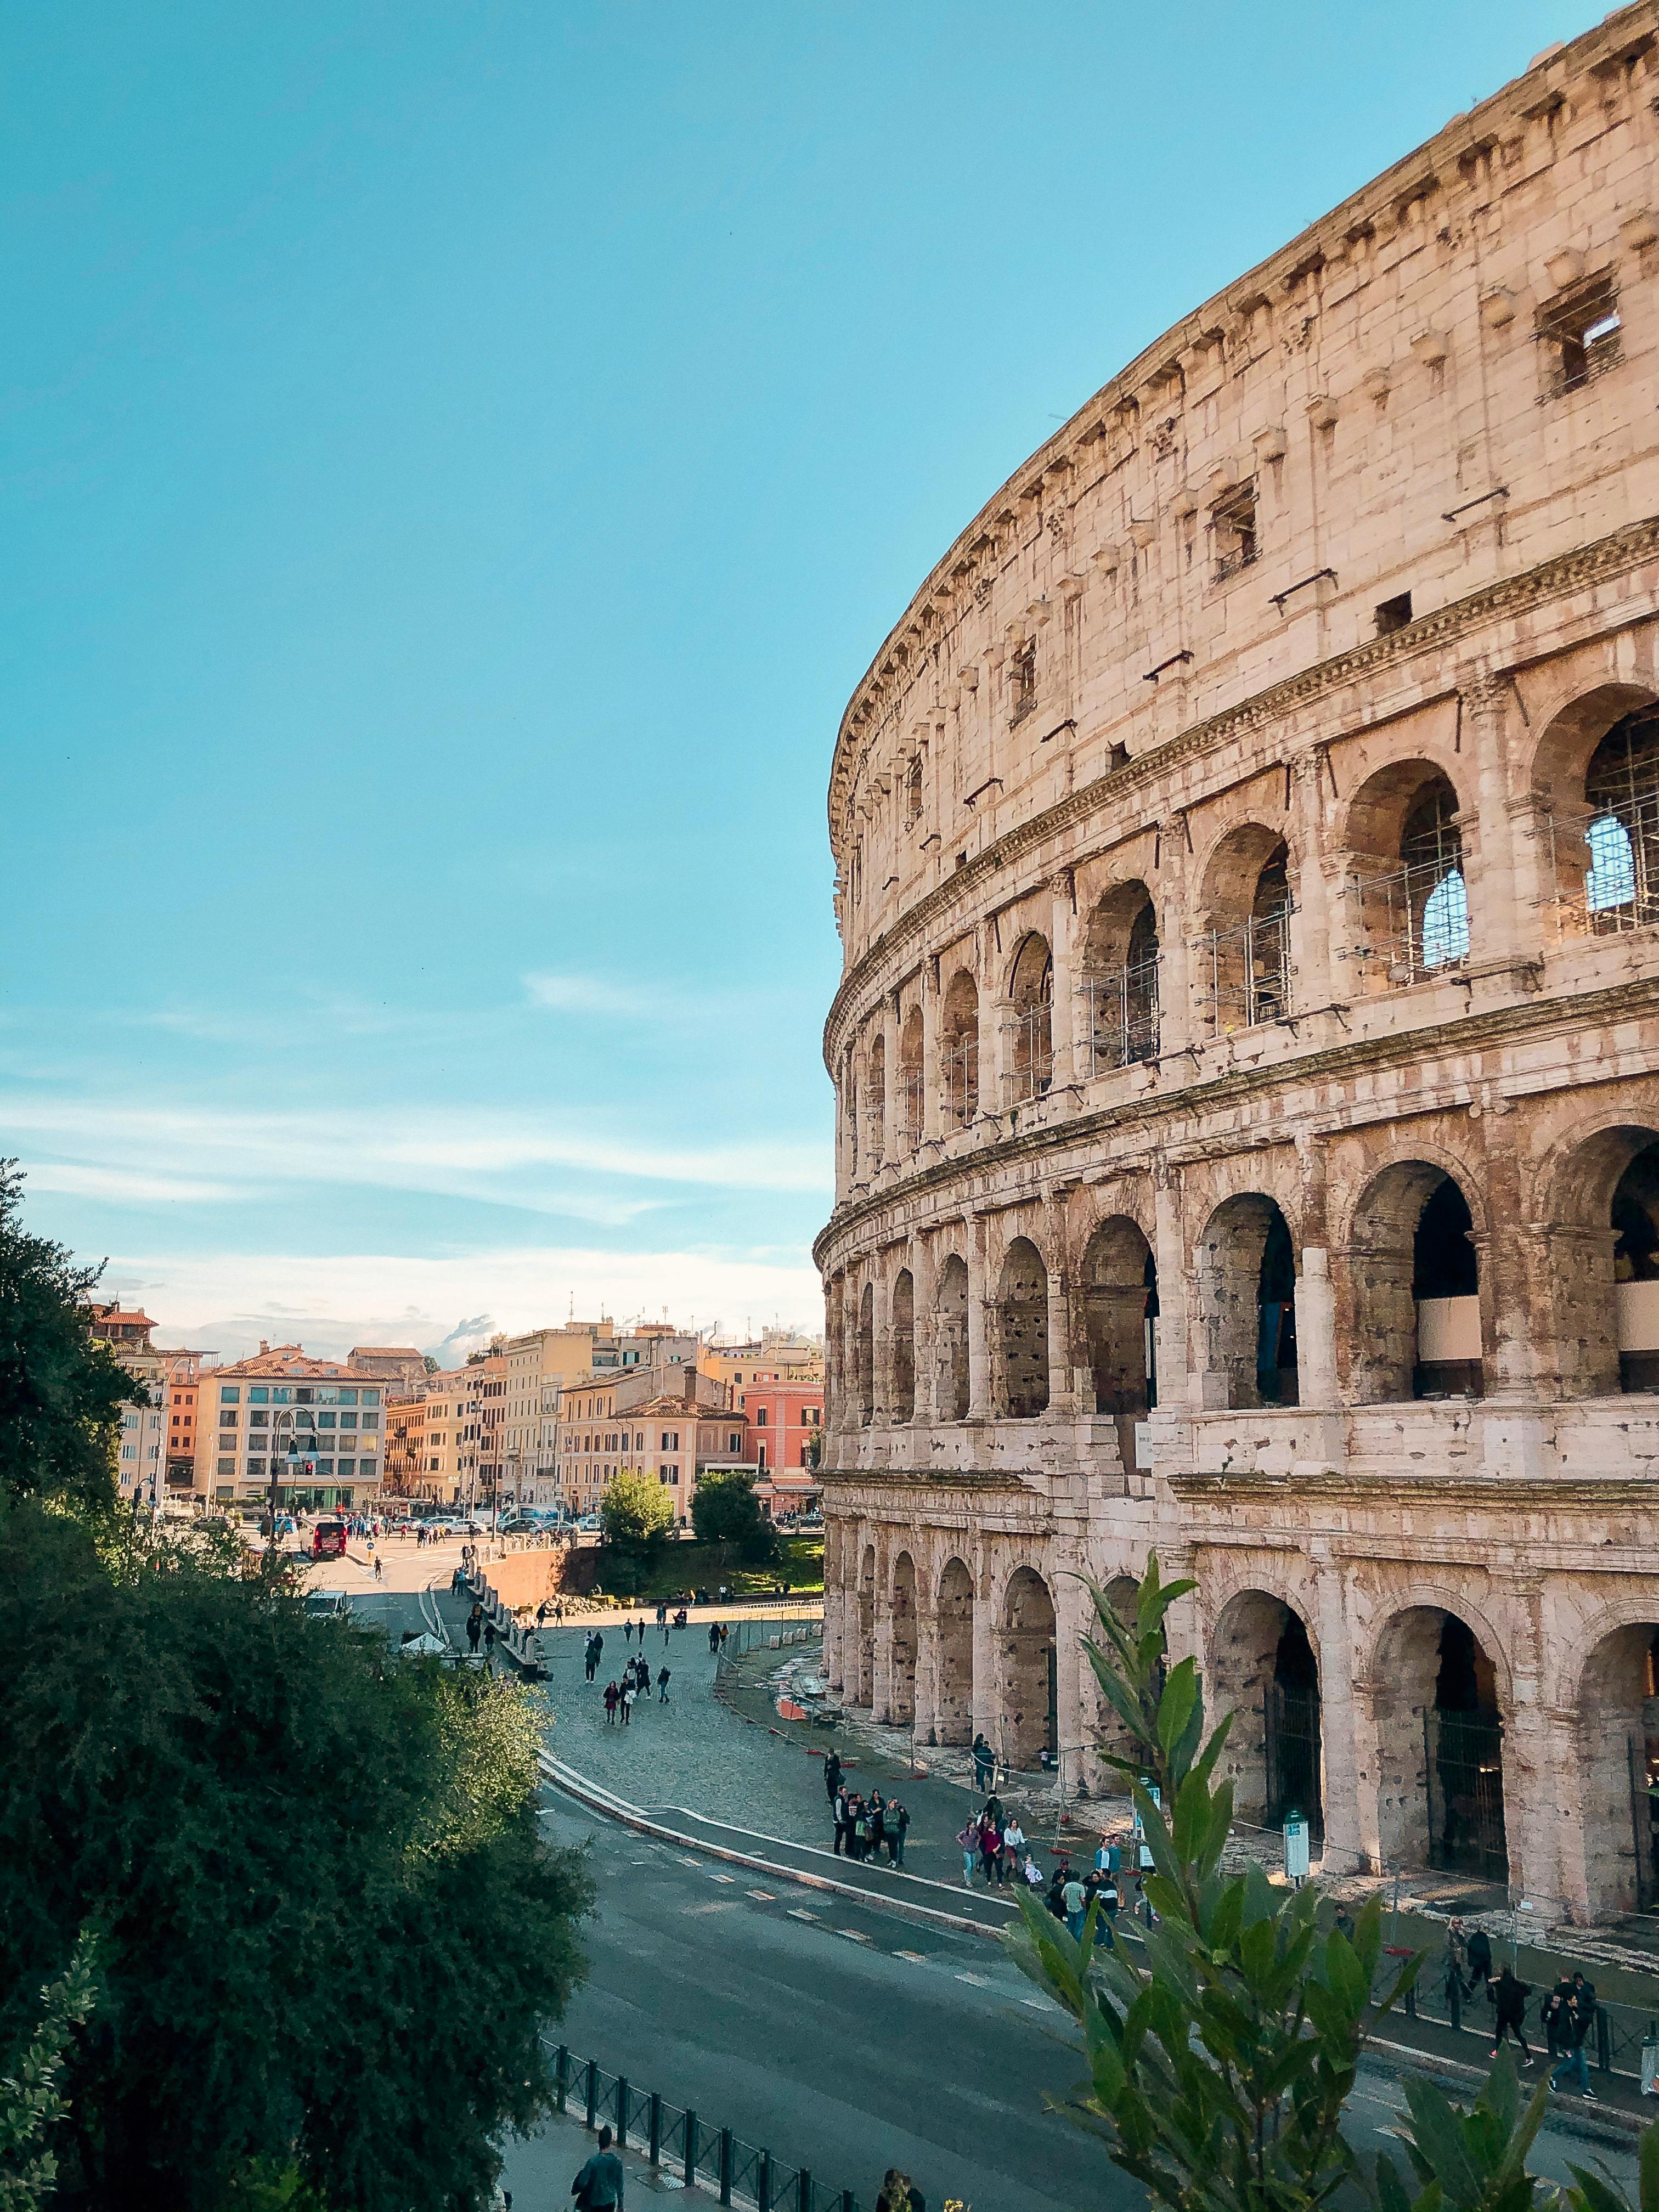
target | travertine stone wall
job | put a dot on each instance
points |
(1248, 1043)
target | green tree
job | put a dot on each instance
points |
(636, 1515)
(32, 2103)
(725, 1511)
(60, 1392)
(1217, 2072)
(331, 1931)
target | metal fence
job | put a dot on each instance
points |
(684, 2143)
(742, 1637)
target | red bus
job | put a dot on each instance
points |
(328, 1540)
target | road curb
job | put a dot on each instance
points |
(600, 1799)
(1607, 2124)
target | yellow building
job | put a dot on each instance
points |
(777, 1355)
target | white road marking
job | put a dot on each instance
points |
(712, 1876)
(852, 1935)
(978, 1980)
(766, 1896)
(1039, 2004)
(796, 1913)
(918, 1958)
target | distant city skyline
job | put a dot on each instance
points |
(460, 464)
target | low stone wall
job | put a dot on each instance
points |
(528, 1577)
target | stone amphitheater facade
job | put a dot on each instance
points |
(1247, 1054)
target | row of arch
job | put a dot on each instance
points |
(1446, 1795)
(1409, 917)
(1412, 1314)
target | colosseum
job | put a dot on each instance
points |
(1247, 1054)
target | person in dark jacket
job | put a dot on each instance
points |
(898, 1820)
(1557, 2024)
(984, 1763)
(1511, 2000)
(1481, 1961)
(475, 1626)
(1576, 2061)
(599, 2186)
(832, 1776)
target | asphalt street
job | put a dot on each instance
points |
(846, 2039)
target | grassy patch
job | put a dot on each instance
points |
(697, 1566)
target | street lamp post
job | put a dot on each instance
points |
(291, 1458)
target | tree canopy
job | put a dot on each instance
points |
(636, 1514)
(330, 1931)
(725, 1511)
(61, 1391)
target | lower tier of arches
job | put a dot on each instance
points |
(1424, 1708)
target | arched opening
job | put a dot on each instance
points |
(849, 1094)
(1120, 1294)
(959, 1045)
(951, 1340)
(1119, 986)
(867, 1650)
(1022, 1333)
(903, 1711)
(1029, 1703)
(1619, 1746)
(1604, 1258)
(1621, 837)
(1247, 1290)
(1417, 1291)
(1030, 1021)
(875, 1101)
(904, 1346)
(1440, 1748)
(1264, 1672)
(1244, 959)
(866, 1356)
(1406, 875)
(910, 1079)
(954, 1722)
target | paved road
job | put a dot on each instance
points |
(843, 2038)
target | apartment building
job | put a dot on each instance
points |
(776, 1355)
(405, 1474)
(156, 1455)
(682, 1424)
(786, 1428)
(314, 1423)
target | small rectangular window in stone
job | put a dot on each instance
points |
(1578, 334)
(1394, 614)
(1022, 680)
(913, 791)
(1232, 521)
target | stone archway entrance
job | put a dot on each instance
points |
(1263, 1670)
(1440, 1744)
(1029, 1720)
(903, 1708)
(954, 1721)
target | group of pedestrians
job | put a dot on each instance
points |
(1567, 2012)
(864, 1825)
(480, 1626)
(621, 1698)
(994, 1843)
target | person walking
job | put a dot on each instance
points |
(377, 1566)
(1557, 2023)
(662, 1686)
(832, 1776)
(475, 1628)
(969, 1839)
(898, 1822)
(598, 1650)
(598, 2187)
(1511, 2001)
(878, 1822)
(1055, 1899)
(984, 1763)
(1109, 1902)
(629, 1693)
(490, 1638)
(841, 1812)
(1076, 1901)
(628, 1632)
(990, 1847)
(1579, 2016)
(611, 1695)
(1454, 1959)
(714, 1636)
(590, 1658)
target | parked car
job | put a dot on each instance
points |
(326, 1605)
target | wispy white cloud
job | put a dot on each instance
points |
(592, 994)
(498, 1156)
(125, 1186)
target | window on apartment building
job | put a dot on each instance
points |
(811, 1416)
(229, 1395)
(226, 1420)
(671, 1474)
(227, 1466)
(736, 1445)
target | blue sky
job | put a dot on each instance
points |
(457, 461)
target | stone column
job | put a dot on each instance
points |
(932, 1072)
(924, 1275)
(988, 1690)
(1178, 1382)
(1310, 924)
(1341, 1737)
(1071, 1613)
(1494, 919)
(979, 1372)
(881, 1700)
(1062, 1383)
(1531, 1755)
(1180, 1021)
(926, 1720)
(834, 1604)
(1063, 1019)
(881, 1346)
(1315, 1301)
